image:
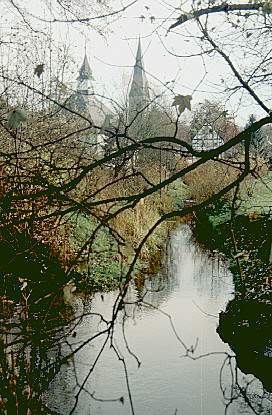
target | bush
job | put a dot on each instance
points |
(209, 179)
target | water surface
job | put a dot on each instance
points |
(193, 290)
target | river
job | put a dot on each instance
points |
(193, 289)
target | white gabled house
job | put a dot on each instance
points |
(206, 138)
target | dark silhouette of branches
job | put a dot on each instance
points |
(221, 8)
(56, 180)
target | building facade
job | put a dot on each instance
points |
(85, 101)
(207, 138)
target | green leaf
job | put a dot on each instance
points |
(182, 102)
(16, 117)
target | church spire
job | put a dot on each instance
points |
(85, 71)
(139, 55)
(85, 77)
(139, 92)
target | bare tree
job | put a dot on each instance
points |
(53, 179)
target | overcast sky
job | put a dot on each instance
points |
(112, 54)
(112, 57)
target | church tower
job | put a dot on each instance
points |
(85, 78)
(85, 100)
(139, 91)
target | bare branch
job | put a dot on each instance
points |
(222, 8)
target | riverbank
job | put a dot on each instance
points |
(93, 249)
(243, 236)
(95, 253)
(246, 326)
(104, 263)
(245, 241)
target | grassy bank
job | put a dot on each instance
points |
(108, 252)
(239, 228)
(92, 246)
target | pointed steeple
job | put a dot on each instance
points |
(139, 93)
(85, 71)
(85, 77)
(139, 55)
(84, 101)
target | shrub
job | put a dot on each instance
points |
(209, 179)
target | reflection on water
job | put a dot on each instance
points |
(193, 290)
